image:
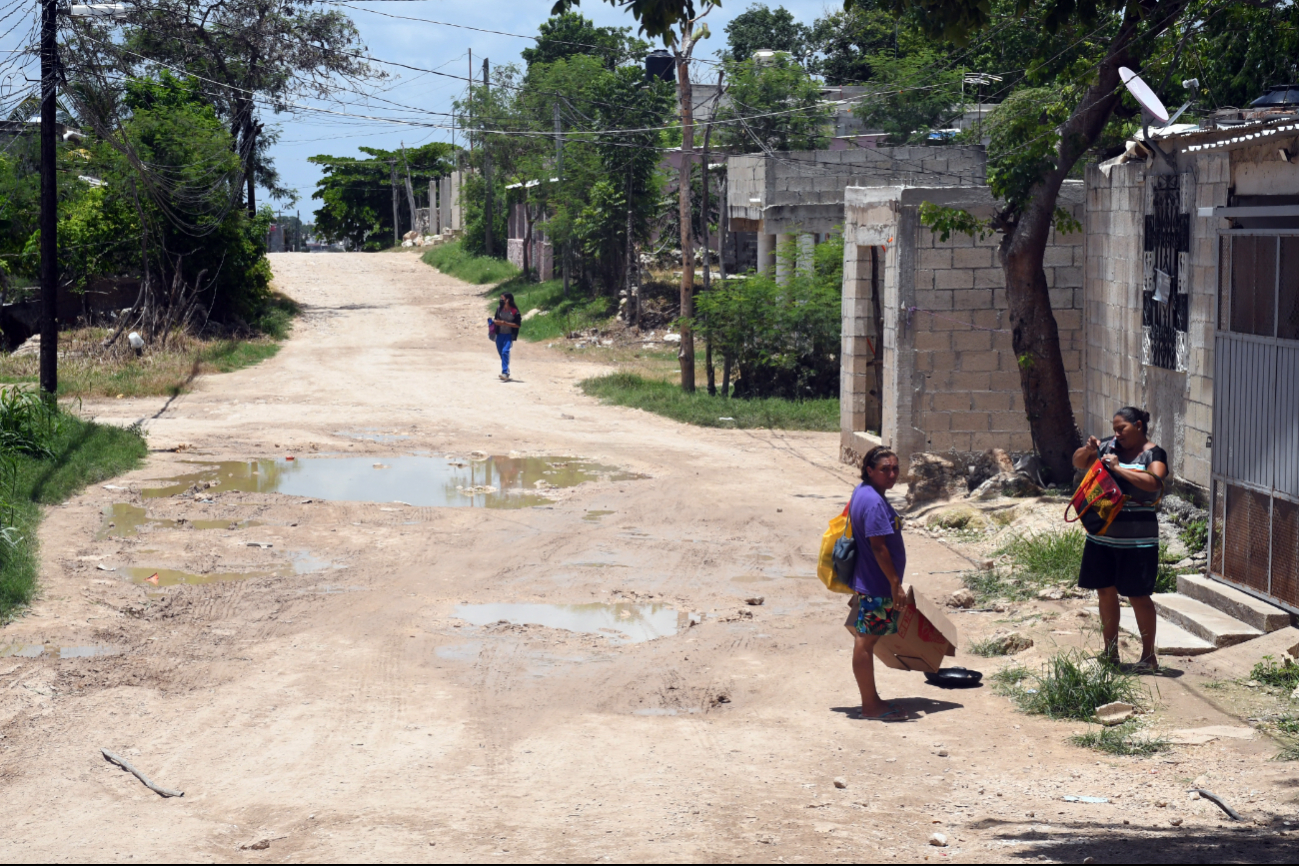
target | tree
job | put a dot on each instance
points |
(1038, 146)
(249, 53)
(915, 94)
(845, 43)
(571, 34)
(677, 23)
(759, 27)
(771, 105)
(356, 193)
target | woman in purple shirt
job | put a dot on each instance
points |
(878, 595)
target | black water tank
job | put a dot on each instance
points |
(1280, 94)
(660, 64)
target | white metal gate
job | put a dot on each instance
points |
(1254, 542)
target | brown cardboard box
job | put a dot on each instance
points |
(924, 636)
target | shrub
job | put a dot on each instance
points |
(1072, 685)
(1284, 675)
(1124, 739)
(783, 340)
(1195, 535)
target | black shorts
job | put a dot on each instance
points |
(1130, 570)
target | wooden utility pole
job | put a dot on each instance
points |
(49, 218)
(685, 97)
(487, 167)
(396, 231)
(559, 172)
(410, 190)
(708, 268)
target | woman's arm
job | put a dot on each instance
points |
(885, 560)
(1083, 457)
(1149, 479)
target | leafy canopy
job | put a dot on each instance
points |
(760, 27)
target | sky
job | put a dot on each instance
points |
(432, 46)
(418, 43)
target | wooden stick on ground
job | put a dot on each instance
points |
(126, 765)
(1217, 801)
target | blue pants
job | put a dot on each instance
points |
(503, 343)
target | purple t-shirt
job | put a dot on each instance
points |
(871, 515)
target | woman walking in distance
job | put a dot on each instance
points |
(878, 594)
(507, 321)
(1123, 559)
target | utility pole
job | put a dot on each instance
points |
(49, 219)
(396, 231)
(708, 268)
(469, 135)
(487, 168)
(559, 171)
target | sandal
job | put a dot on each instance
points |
(881, 717)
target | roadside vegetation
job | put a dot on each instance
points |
(1029, 564)
(165, 368)
(455, 261)
(666, 398)
(46, 456)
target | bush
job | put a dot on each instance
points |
(1195, 535)
(455, 261)
(1073, 684)
(703, 410)
(1284, 675)
(1030, 563)
(782, 340)
(563, 313)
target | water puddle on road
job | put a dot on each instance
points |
(304, 562)
(594, 516)
(32, 651)
(473, 482)
(620, 623)
(121, 519)
(172, 577)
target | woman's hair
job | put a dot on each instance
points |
(1133, 415)
(509, 299)
(873, 458)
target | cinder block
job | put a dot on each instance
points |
(1008, 421)
(954, 402)
(954, 279)
(940, 440)
(934, 259)
(945, 361)
(934, 300)
(972, 299)
(970, 421)
(989, 278)
(937, 422)
(991, 401)
(971, 381)
(978, 362)
(971, 341)
(972, 257)
(933, 341)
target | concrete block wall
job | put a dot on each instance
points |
(967, 396)
(1180, 402)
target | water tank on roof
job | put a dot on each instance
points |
(1280, 94)
(660, 64)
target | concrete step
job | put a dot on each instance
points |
(1206, 623)
(1265, 617)
(1170, 638)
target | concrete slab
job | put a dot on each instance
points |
(1170, 639)
(1231, 601)
(1236, 662)
(1206, 623)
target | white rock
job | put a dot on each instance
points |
(840, 782)
(938, 840)
(672, 338)
(1114, 713)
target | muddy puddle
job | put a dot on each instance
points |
(33, 651)
(122, 520)
(173, 577)
(620, 623)
(305, 562)
(478, 481)
(594, 516)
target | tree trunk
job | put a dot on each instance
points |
(1034, 332)
(686, 354)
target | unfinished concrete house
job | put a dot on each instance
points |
(1193, 312)
(927, 363)
(798, 196)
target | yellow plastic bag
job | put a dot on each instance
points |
(825, 563)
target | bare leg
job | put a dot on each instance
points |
(1109, 605)
(1144, 609)
(863, 668)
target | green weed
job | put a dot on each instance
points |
(1284, 675)
(703, 410)
(1124, 739)
(1006, 681)
(227, 356)
(988, 648)
(77, 453)
(1195, 535)
(275, 319)
(1072, 684)
(452, 260)
(1029, 563)
(559, 315)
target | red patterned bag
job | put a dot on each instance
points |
(1098, 491)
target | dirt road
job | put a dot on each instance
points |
(325, 689)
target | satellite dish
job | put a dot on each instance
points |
(1142, 93)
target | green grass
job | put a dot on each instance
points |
(452, 260)
(1268, 672)
(1028, 564)
(997, 645)
(1006, 680)
(227, 356)
(276, 317)
(82, 453)
(1071, 685)
(702, 410)
(1195, 535)
(561, 315)
(1124, 739)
